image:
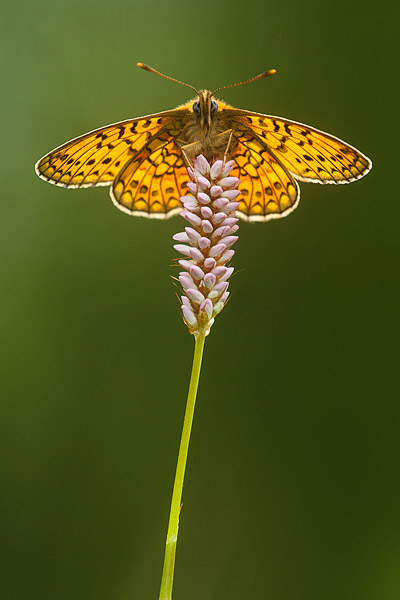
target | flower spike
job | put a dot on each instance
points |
(209, 208)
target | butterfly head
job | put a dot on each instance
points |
(205, 107)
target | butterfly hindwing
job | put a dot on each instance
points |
(309, 154)
(96, 157)
(153, 181)
(268, 190)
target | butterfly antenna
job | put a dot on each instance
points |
(261, 76)
(147, 68)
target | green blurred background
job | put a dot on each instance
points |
(292, 487)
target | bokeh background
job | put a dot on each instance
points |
(292, 488)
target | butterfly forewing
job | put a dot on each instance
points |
(97, 157)
(309, 154)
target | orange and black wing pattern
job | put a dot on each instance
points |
(96, 158)
(153, 181)
(268, 190)
(309, 154)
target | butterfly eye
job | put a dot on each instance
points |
(213, 107)
(196, 107)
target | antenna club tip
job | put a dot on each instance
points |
(142, 66)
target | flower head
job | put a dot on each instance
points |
(207, 242)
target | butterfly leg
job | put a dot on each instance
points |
(228, 144)
(189, 161)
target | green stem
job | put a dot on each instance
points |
(172, 535)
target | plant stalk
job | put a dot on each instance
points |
(173, 525)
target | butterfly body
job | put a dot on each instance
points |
(206, 128)
(145, 160)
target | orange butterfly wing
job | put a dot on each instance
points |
(268, 190)
(97, 157)
(153, 181)
(309, 154)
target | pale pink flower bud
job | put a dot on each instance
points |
(186, 264)
(193, 219)
(221, 203)
(227, 255)
(218, 218)
(180, 237)
(206, 226)
(219, 271)
(186, 282)
(206, 212)
(217, 250)
(203, 198)
(192, 234)
(230, 194)
(231, 207)
(203, 243)
(220, 231)
(189, 199)
(216, 190)
(202, 182)
(208, 307)
(229, 182)
(182, 249)
(195, 295)
(201, 165)
(209, 280)
(192, 208)
(229, 240)
(230, 221)
(189, 316)
(196, 272)
(210, 263)
(216, 169)
(196, 254)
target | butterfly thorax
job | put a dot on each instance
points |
(206, 127)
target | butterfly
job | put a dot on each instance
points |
(145, 160)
